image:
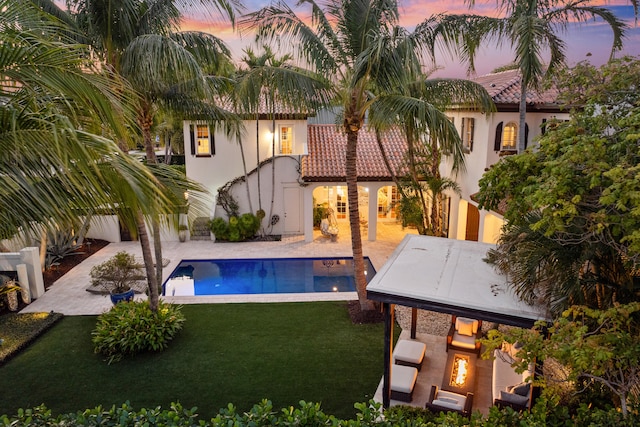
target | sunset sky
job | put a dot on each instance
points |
(590, 41)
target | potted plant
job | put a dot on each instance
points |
(120, 276)
(182, 232)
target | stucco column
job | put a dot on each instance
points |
(31, 258)
(307, 212)
(372, 216)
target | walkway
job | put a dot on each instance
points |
(68, 294)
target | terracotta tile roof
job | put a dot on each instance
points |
(281, 109)
(504, 88)
(327, 150)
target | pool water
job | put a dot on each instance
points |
(263, 276)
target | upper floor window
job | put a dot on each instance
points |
(202, 142)
(467, 134)
(286, 139)
(509, 137)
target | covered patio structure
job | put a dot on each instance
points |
(447, 276)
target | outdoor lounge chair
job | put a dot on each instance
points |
(447, 401)
(464, 334)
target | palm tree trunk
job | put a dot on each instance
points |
(157, 246)
(523, 116)
(352, 127)
(145, 119)
(246, 177)
(415, 180)
(273, 162)
(387, 164)
(153, 277)
(145, 245)
(258, 160)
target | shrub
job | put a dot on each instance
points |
(310, 414)
(249, 225)
(131, 327)
(237, 229)
(219, 228)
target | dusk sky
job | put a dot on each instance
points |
(590, 41)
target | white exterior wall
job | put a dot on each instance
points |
(226, 164)
(479, 159)
(104, 227)
(287, 197)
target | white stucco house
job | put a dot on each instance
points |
(308, 163)
(487, 137)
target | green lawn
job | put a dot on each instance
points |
(226, 353)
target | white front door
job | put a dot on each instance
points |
(292, 210)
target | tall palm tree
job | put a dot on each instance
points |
(139, 41)
(532, 28)
(273, 82)
(428, 98)
(55, 165)
(360, 48)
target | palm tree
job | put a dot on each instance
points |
(139, 41)
(532, 27)
(360, 48)
(428, 98)
(272, 82)
(55, 166)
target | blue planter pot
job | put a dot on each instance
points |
(125, 296)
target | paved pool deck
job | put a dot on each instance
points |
(68, 294)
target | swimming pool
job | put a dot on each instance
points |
(263, 276)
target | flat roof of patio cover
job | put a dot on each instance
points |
(450, 276)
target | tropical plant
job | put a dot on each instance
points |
(271, 83)
(571, 235)
(371, 62)
(531, 27)
(131, 328)
(118, 274)
(236, 229)
(600, 346)
(139, 42)
(56, 105)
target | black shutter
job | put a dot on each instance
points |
(498, 142)
(193, 139)
(526, 135)
(472, 130)
(212, 142)
(544, 126)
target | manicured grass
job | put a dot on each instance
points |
(18, 330)
(227, 353)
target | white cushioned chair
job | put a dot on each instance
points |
(447, 401)
(508, 387)
(464, 334)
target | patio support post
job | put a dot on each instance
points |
(414, 322)
(388, 310)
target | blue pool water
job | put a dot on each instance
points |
(264, 276)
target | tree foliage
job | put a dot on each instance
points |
(572, 206)
(594, 346)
